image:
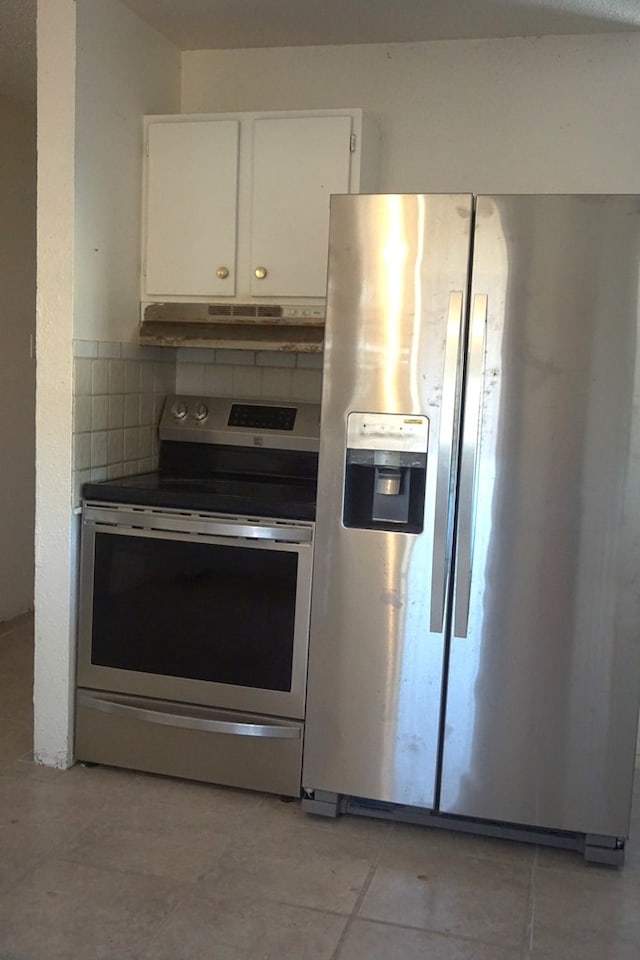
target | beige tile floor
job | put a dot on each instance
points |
(103, 864)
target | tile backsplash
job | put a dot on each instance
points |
(120, 388)
(249, 373)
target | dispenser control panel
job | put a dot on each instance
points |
(388, 431)
(385, 471)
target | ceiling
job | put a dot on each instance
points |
(224, 24)
(211, 24)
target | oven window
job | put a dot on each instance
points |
(196, 610)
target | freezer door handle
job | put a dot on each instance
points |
(469, 463)
(444, 492)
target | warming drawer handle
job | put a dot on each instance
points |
(469, 463)
(443, 505)
(266, 730)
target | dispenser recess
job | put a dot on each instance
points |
(385, 470)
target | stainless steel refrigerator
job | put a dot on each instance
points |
(475, 629)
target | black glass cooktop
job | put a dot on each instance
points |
(279, 498)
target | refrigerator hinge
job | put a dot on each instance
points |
(604, 849)
(352, 143)
(321, 802)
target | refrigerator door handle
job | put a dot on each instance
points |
(443, 502)
(469, 463)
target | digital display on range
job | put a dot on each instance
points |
(260, 417)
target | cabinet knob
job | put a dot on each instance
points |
(260, 272)
(222, 273)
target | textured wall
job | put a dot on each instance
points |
(547, 115)
(17, 369)
(125, 71)
(100, 70)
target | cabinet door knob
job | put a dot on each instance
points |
(222, 273)
(260, 272)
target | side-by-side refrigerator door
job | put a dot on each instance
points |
(398, 275)
(543, 678)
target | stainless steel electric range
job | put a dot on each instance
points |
(195, 594)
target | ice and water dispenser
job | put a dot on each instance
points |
(386, 465)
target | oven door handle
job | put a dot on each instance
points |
(267, 730)
(195, 525)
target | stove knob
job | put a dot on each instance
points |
(179, 410)
(199, 411)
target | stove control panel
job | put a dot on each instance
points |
(262, 417)
(275, 424)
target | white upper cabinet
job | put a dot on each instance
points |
(191, 210)
(297, 165)
(237, 207)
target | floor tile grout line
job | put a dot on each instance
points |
(354, 915)
(354, 912)
(22, 877)
(531, 913)
(458, 938)
(361, 896)
(175, 907)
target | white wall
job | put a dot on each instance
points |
(17, 369)
(54, 562)
(89, 160)
(555, 114)
(124, 70)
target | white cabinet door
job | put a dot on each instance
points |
(297, 164)
(191, 210)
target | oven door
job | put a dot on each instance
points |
(196, 608)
